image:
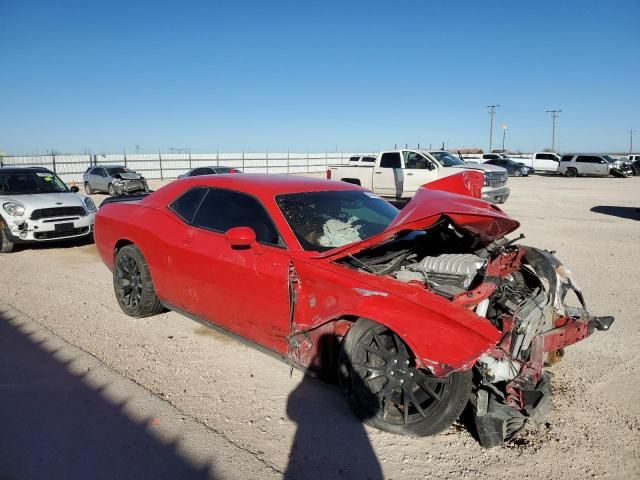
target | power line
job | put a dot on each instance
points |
(492, 112)
(554, 114)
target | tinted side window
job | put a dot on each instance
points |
(369, 159)
(354, 159)
(221, 210)
(390, 160)
(185, 205)
(202, 171)
(588, 159)
(566, 158)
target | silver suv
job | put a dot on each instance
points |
(114, 179)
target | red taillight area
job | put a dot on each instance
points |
(328, 174)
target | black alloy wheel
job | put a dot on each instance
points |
(388, 391)
(132, 284)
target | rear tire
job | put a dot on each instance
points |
(87, 188)
(571, 172)
(379, 377)
(133, 285)
(6, 245)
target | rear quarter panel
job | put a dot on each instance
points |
(152, 230)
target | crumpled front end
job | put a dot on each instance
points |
(529, 306)
(525, 293)
(130, 182)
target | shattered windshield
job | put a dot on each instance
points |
(325, 220)
(30, 183)
(115, 170)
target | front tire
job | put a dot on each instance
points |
(112, 190)
(386, 390)
(517, 173)
(6, 245)
(133, 285)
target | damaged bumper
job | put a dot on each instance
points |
(513, 388)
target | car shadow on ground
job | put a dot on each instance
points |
(54, 425)
(330, 441)
(630, 213)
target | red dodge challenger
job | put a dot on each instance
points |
(417, 312)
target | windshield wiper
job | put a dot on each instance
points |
(362, 264)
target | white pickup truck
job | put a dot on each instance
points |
(398, 174)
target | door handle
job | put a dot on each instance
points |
(378, 173)
(409, 173)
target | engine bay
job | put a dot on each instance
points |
(520, 290)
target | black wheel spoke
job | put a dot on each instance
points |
(425, 386)
(416, 403)
(372, 372)
(377, 352)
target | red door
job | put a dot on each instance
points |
(242, 291)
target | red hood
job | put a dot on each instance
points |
(456, 197)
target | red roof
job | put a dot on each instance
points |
(257, 184)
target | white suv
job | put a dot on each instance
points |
(584, 164)
(36, 206)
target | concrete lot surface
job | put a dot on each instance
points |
(173, 399)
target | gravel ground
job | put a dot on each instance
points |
(302, 428)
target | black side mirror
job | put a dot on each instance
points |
(74, 189)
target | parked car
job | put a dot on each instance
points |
(398, 174)
(115, 180)
(194, 172)
(573, 165)
(418, 311)
(514, 169)
(635, 163)
(539, 161)
(38, 207)
(530, 170)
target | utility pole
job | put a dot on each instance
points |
(137, 148)
(504, 134)
(492, 112)
(554, 114)
(631, 141)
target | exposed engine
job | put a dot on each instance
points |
(520, 290)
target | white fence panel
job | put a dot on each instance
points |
(169, 165)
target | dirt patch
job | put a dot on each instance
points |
(253, 400)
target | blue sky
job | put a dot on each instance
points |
(356, 75)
